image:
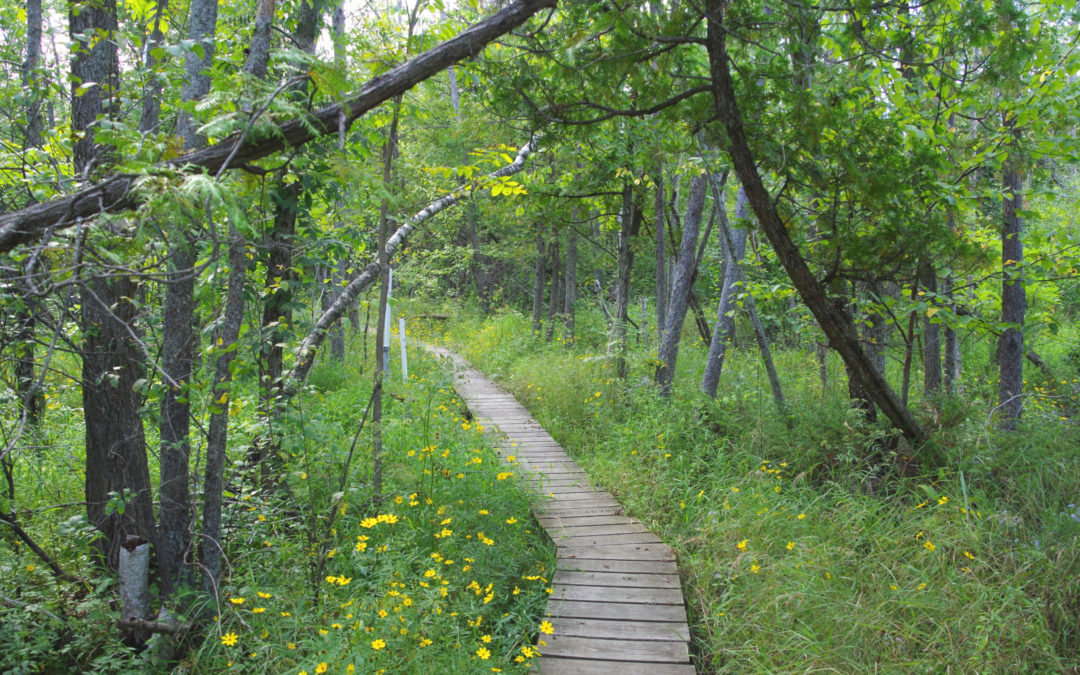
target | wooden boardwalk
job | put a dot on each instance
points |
(617, 605)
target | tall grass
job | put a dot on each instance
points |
(796, 554)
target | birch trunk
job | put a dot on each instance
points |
(724, 329)
(668, 353)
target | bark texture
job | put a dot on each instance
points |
(216, 442)
(682, 284)
(571, 288)
(724, 330)
(1010, 347)
(180, 334)
(539, 267)
(631, 224)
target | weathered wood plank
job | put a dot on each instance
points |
(568, 666)
(617, 650)
(606, 539)
(620, 566)
(588, 521)
(667, 631)
(617, 579)
(642, 596)
(619, 552)
(615, 610)
(560, 512)
(629, 527)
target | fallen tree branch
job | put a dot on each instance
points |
(305, 353)
(119, 192)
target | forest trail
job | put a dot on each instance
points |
(617, 604)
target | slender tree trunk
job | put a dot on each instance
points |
(1010, 348)
(389, 153)
(909, 346)
(538, 282)
(931, 333)
(836, 323)
(668, 353)
(662, 289)
(277, 308)
(217, 438)
(179, 331)
(30, 395)
(725, 320)
(259, 51)
(571, 288)
(553, 292)
(631, 223)
(952, 342)
(31, 76)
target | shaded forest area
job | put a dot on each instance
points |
(798, 281)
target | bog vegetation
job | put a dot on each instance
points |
(797, 282)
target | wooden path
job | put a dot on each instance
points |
(617, 605)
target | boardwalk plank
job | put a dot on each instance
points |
(562, 666)
(637, 596)
(615, 610)
(606, 539)
(618, 579)
(617, 650)
(668, 631)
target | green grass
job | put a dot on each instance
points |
(796, 555)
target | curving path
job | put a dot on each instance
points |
(617, 605)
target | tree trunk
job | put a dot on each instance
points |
(909, 345)
(571, 288)
(180, 337)
(112, 362)
(662, 289)
(668, 353)
(725, 320)
(952, 342)
(390, 148)
(31, 77)
(259, 50)
(553, 292)
(115, 443)
(1010, 348)
(834, 321)
(931, 332)
(538, 283)
(217, 438)
(631, 223)
(30, 395)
